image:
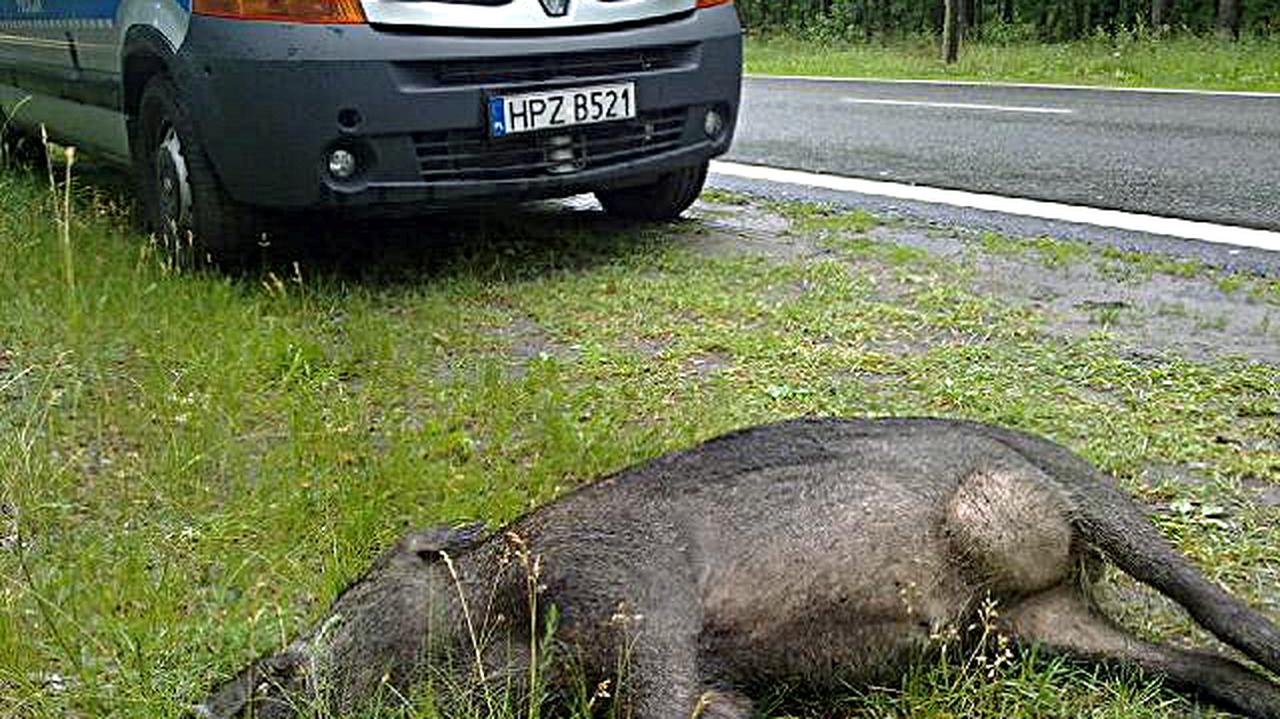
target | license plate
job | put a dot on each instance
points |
(513, 114)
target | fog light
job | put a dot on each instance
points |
(713, 124)
(343, 164)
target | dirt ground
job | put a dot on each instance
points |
(1187, 313)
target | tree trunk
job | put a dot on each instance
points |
(1229, 19)
(1044, 22)
(1006, 11)
(1160, 12)
(951, 31)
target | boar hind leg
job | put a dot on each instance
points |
(1010, 531)
(1062, 620)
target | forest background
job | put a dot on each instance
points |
(1197, 44)
(1043, 20)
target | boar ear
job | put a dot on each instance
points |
(428, 543)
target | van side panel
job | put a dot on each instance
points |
(96, 129)
(60, 60)
(35, 49)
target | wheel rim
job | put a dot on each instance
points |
(173, 189)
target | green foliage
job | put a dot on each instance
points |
(1002, 20)
(1126, 59)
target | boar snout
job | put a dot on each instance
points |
(268, 685)
(377, 633)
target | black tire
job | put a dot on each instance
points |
(662, 200)
(183, 201)
(19, 147)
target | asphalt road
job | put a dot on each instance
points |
(1193, 156)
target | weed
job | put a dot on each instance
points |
(8, 142)
(1266, 290)
(1051, 251)
(1106, 314)
(720, 196)
(1217, 322)
(1149, 263)
(813, 217)
(997, 243)
(1230, 282)
(64, 224)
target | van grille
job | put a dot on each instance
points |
(471, 155)
(564, 66)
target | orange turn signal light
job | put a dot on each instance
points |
(327, 12)
(712, 3)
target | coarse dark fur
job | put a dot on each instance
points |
(808, 551)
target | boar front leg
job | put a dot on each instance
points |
(688, 699)
(666, 682)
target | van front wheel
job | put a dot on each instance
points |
(182, 197)
(661, 200)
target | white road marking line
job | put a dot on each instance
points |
(1026, 85)
(1114, 219)
(958, 105)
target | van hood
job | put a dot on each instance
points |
(505, 15)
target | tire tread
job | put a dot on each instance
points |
(659, 201)
(220, 226)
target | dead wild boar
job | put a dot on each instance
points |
(809, 551)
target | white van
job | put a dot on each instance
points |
(229, 107)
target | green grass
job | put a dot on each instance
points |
(1052, 252)
(193, 464)
(1125, 61)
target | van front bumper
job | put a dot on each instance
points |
(272, 101)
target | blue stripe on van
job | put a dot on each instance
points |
(60, 9)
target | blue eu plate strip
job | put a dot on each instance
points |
(497, 117)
